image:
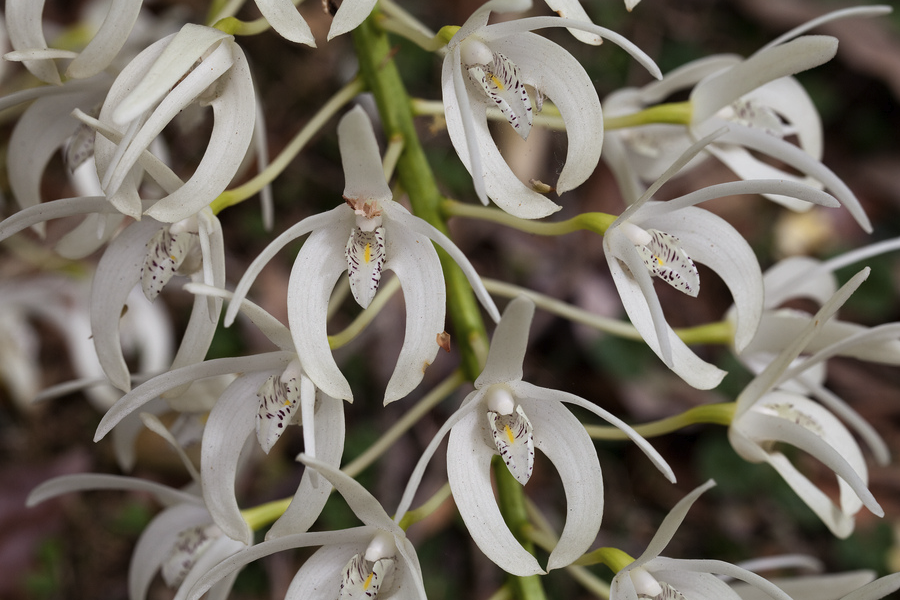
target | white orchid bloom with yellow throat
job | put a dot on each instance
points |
(494, 66)
(368, 234)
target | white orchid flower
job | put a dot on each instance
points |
(24, 24)
(368, 234)
(765, 415)
(282, 15)
(657, 577)
(758, 100)
(373, 561)
(283, 395)
(181, 542)
(159, 83)
(663, 239)
(492, 65)
(509, 417)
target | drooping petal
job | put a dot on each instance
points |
(349, 16)
(162, 383)
(231, 423)
(25, 28)
(284, 18)
(316, 270)
(721, 89)
(310, 498)
(508, 345)
(572, 9)
(81, 482)
(108, 40)
(415, 261)
(557, 74)
(563, 439)
(469, 472)
(55, 209)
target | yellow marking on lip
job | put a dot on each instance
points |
(368, 580)
(509, 434)
(367, 256)
(497, 82)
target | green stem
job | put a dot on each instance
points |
(430, 505)
(383, 79)
(676, 113)
(281, 162)
(362, 320)
(593, 221)
(511, 496)
(613, 558)
(719, 414)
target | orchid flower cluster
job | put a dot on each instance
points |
(147, 201)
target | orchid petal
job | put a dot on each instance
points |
(282, 15)
(360, 501)
(340, 218)
(508, 345)
(642, 306)
(572, 9)
(523, 389)
(416, 263)
(798, 277)
(355, 535)
(310, 499)
(472, 140)
(563, 439)
(361, 159)
(94, 231)
(349, 16)
(107, 42)
(828, 586)
(320, 575)
(790, 100)
(670, 525)
(55, 209)
(155, 544)
(718, 567)
(856, 11)
(696, 586)
(25, 29)
(879, 588)
(479, 18)
(469, 472)
(556, 73)
(411, 586)
(710, 240)
(315, 272)
(81, 482)
(231, 423)
(721, 89)
(400, 215)
(38, 54)
(175, 57)
(766, 380)
(221, 549)
(117, 273)
(162, 383)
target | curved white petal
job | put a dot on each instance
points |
(117, 273)
(174, 58)
(316, 270)
(827, 586)
(25, 28)
(696, 586)
(469, 473)
(563, 439)
(528, 390)
(572, 9)
(310, 498)
(231, 422)
(349, 16)
(508, 344)
(320, 575)
(107, 42)
(415, 261)
(710, 240)
(234, 110)
(162, 383)
(221, 549)
(556, 73)
(340, 217)
(155, 544)
(399, 214)
(55, 209)
(468, 129)
(879, 588)
(642, 306)
(360, 157)
(790, 100)
(284, 18)
(94, 481)
(721, 89)
(717, 567)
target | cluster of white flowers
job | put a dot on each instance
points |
(106, 108)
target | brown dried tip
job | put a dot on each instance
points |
(364, 207)
(443, 340)
(540, 187)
